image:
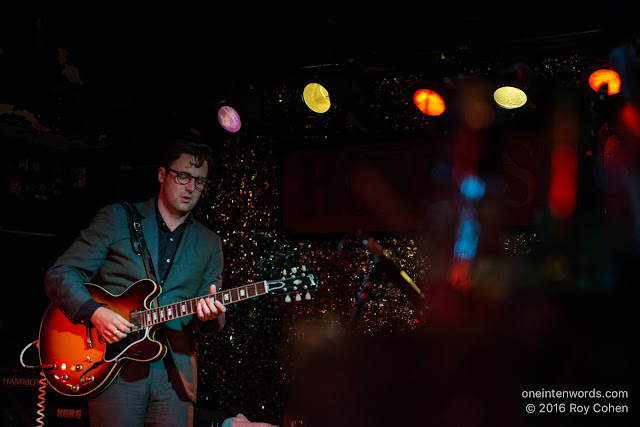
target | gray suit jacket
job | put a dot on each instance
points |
(103, 255)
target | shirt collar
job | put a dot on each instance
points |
(162, 225)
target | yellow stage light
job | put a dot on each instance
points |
(510, 97)
(316, 97)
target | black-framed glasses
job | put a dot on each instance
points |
(184, 178)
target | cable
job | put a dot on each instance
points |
(43, 383)
(42, 398)
(22, 355)
(47, 366)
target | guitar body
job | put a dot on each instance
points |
(83, 363)
(77, 361)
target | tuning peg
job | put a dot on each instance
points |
(284, 272)
(287, 299)
(304, 268)
(294, 270)
(307, 296)
(298, 297)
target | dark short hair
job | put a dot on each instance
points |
(199, 152)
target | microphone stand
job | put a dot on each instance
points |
(365, 291)
(384, 268)
(363, 294)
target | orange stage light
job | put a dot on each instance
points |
(608, 77)
(429, 102)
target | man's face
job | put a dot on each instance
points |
(178, 198)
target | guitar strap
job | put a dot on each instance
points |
(134, 221)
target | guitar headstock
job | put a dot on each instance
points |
(298, 281)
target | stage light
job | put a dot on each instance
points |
(316, 97)
(466, 244)
(429, 102)
(509, 97)
(229, 119)
(472, 187)
(608, 77)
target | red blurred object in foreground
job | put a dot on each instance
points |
(564, 169)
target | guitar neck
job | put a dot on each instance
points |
(154, 316)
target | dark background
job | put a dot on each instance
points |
(89, 90)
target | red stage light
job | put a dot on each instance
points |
(608, 77)
(429, 102)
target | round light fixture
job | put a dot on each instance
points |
(429, 102)
(608, 77)
(510, 97)
(229, 119)
(316, 97)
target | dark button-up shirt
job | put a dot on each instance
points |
(168, 243)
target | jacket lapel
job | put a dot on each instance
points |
(150, 230)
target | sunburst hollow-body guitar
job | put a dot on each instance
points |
(77, 361)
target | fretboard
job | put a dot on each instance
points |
(154, 316)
